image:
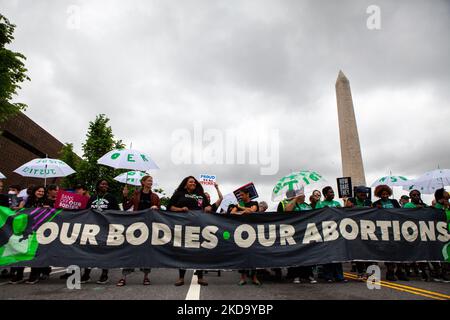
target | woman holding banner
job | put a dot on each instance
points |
(35, 200)
(246, 206)
(189, 196)
(100, 201)
(142, 199)
(384, 192)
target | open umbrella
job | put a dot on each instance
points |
(128, 159)
(430, 181)
(2, 176)
(133, 178)
(45, 168)
(392, 181)
(307, 179)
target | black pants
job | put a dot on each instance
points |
(36, 272)
(303, 272)
(397, 268)
(17, 272)
(87, 271)
(182, 273)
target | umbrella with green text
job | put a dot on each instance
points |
(128, 159)
(45, 168)
(307, 179)
(392, 181)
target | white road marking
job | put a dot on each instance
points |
(194, 289)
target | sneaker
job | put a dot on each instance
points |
(312, 280)
(330, 280)
(202, 282)
(44, 277)
(85, 278)
(242, 282)
(103, 279)
(32, 281)
(425, 276)
(296, 281)
(180, 282)
(445, 279)
(16, 280)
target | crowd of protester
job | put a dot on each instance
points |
(190, 195)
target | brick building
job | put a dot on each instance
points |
(22, 140)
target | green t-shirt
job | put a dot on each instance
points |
(387, 204)
(439, 206)
(298, 207)
(409, 205)
(326, 203)
(302, 207)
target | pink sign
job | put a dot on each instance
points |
(71, 201)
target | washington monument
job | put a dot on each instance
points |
(352, 164)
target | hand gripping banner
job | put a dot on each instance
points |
(41, 237)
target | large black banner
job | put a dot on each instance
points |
(197, 240)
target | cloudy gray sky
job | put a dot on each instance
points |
(253, 66)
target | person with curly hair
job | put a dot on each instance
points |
(189, 196)
(384, 192)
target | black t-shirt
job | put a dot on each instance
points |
(34, 203)
(145, 201)
(192, 201)
(251, 204)
(106, 202)
(50, 202)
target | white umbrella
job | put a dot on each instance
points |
(430, 181)
(2, 176)
(45, 168)
(133, 178)
(392, 181)
(128, 159)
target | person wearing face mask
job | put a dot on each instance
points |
(384, 192)
(142, 199)
(14, 199)
(189, 196)
(102, 200)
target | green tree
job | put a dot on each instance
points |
(70, 157)
(99, 140)
(12, 72)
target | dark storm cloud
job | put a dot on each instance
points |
(155, 67)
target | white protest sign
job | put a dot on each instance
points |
(228, 199)
(207, 179)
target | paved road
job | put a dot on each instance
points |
(223, 287)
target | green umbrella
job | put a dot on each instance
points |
(295, 180)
